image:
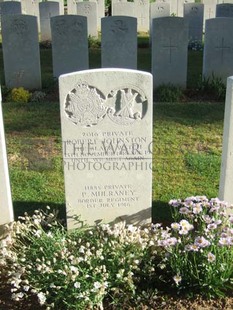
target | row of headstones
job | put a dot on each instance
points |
(118, 48)
(144, 11)
(106, 119)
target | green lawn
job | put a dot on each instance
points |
(187, 140)
(187, 143)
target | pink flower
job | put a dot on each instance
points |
(211, 257)
(201, 242)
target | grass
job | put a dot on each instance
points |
(187, 142)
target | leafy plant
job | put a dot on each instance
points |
(168, 93)
(38, 96)
(120, 263)
(20, 95)
(199, 246)
(93, 42)
(212, 87)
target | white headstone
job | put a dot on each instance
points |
(119, 42)
(106, 117)
(142, 8)
(226, 177)
(194, 14)
(224, 10)
(21, 53)
(123, 9)
(100, 11)
(158, 9)
(209, 10)
(169, 51)
(89, 9)
(31, 8)
(180, 7)
(6, 208)
(69, 44)
(72, 6)
(47, 10)
(218, 48)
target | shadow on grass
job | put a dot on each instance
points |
(161, 212)
(20, 207)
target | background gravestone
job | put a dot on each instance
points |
(218, 48)
(69, 44)
(224, 10)
(142, 8)
(100, 12)
(119, 42)
(226, 177)
(169, 51)
(194, 13)
(21, 54)
(158, 9)
(106, 117)
(209, 9)
(72, 6)
(31, 8)
(47, 10)
(124, 9)
(6, 208)
(10, 7)
(89, 9)
(180, 7)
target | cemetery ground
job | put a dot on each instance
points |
(187, 141)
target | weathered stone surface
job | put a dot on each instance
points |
(6, 208)
(226, 178)
(69, 44)
(218, 48)
(169, 51)
(47, 10)
(89, 9)
(119, 42)
(106, 117)
(21, 54)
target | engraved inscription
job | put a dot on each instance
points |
(19, 27)
(87, 9)
(170, 47)
(61, 27)
(160, 8)
(87, 106)
(194, 10)
(222, 48)
(124, 112)
(118, 27)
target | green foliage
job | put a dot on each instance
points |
(38, 96)
(200, 246)
(93, 42)
(20, 95)
(212, 87)
(120, 263)
(168, 93)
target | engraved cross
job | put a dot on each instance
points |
(222, 48)
(142, 18)
(170, 48)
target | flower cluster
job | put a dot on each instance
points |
(203, 254)
(80, 268)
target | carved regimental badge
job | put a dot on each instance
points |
(86, 106)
